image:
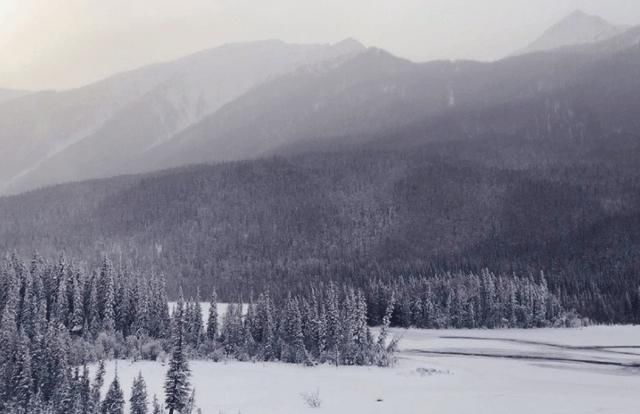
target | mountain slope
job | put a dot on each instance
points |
(576, 29)
(249, 225)
(97, 130)
(8, 94)
(351, 97)
(249, 100)
(372, 92)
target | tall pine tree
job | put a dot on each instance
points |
(138, 401)
(176, 385)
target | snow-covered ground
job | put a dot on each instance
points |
(601, 380)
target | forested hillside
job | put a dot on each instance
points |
(280, 223)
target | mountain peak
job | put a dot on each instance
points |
(350, 44)
(579, 14)
(580, 17)
(575, 29)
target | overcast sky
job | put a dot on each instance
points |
(66, 43)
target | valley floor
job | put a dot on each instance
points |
(561, 371)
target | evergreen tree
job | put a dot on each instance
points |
(77, 316)
(84, 393)
(22, 375)
(114, 399)
(62, 303)
(106, 296)
(197, 323)
(8, 336)
(98, 382)
(138, 401)
(93, 312)
(212, 320)
(140, 305)
(362, 336)
(333, 333)
(64, 397)
(177, 380)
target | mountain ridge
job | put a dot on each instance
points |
(578, 28)
(163, 98)
(250, 99)
(10, 94)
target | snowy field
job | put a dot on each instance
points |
(557, 371)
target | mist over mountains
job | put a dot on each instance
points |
(249, 100)
(100, 129)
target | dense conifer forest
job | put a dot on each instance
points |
(57, 317)
(278, 224)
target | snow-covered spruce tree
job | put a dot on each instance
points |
(299, 352)
(362, 335)
(212, 320)
(84, 392)
(106, 296)
(93, 313)
(188, 322)
(159, 320)
(77, 316)
(347, 348)
(294, 348)
(231, 332)
(384, 350)
(176, 385)
(320, 331)
(98, 382)
(113, 402)
(22, 385)
(265, 329)
(56, 359)
(61, 310)
(248, 341)
(196, 322)
(64, 398)
(122, 320)
(139, 309)
(8, 337)
(334, 328)
(138, 403)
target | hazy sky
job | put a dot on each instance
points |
(66, 43)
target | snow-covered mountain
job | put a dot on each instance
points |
(578, 28)
(97, 130)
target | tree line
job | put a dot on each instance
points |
(57, 318)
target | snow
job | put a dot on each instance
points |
(422, 383)
(222, 310)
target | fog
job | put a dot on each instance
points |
(66, 43)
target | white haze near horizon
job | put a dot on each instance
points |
(61, 44)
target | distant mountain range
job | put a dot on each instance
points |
(244, 101)
(100, 130)
(578, 28)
